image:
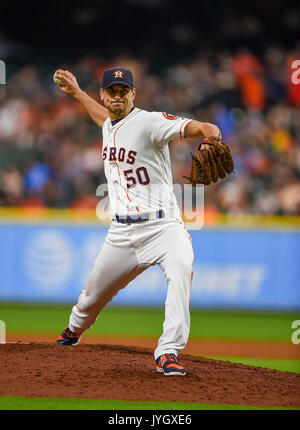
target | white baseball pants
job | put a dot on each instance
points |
(126, 252)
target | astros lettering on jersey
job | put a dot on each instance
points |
(137, 161)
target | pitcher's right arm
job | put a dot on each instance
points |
(68, 84)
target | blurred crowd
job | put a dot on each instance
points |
(50, 150)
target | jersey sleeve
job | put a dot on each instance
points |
(164, 127)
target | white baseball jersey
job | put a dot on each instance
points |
(137, 161)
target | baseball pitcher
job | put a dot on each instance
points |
(146, 227)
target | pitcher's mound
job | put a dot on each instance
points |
(129, 373)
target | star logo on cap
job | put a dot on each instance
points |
(118, 74)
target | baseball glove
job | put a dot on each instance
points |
(209, 165)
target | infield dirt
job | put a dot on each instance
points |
(102, 371)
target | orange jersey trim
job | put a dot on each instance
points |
(180, 131)
(117, 163)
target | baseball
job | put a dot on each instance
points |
(59, 82)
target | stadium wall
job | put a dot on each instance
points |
(234, 267)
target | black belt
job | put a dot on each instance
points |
(129, 219)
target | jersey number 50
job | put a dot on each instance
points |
(141, 174)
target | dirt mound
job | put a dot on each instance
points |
(129, 373)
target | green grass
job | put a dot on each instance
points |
(23, 403)
(286, 365)
(147, 322)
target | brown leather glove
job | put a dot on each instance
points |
(211, 164)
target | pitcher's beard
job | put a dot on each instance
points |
(118, 111)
